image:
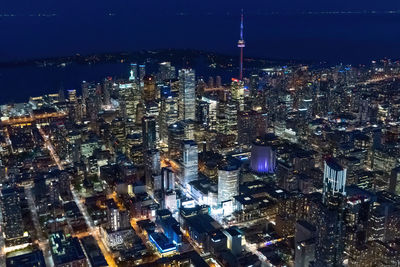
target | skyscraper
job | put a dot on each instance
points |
(237, 91)
(331, 229)
(168, 114)
(142, 73)
(12, 216)
(234, 240)
(113, 216)
(189, 161)
(176, 133)
(187, 94)
(334, 179)
(127, 99)
(106, 89)
(304, 243)
(72, 96)
(263, 155)
(149, 89)
(149, 133)
(153, 171)
(73, 106)
(166, 71)
(330, 240)
(227, 117)
(251, 124)
(168, 179)
(228, 181)
(61, 95)
(133, 73)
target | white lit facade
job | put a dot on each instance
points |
(334, 178)
(187, 94)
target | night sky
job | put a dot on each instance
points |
(158, 6)
(126, 25)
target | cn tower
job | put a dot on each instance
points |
(241, 45)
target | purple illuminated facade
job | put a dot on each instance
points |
(263, 158)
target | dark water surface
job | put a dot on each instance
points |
(354, 38)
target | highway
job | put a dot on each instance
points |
(378, 79)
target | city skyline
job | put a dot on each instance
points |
(183, 157)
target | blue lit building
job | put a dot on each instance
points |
(162, 243)
(170, 226)
(263, 157)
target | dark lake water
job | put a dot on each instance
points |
(354, 38)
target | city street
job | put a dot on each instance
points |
(42, 240)
(93, 231)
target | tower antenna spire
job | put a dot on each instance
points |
(241, 26)
(241, 45)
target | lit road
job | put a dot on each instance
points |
(192, 243)
(32, 118)
(42, 241)
(93, 231)
(379, 79)
(255, 251)
(250, 222)
(51, 149)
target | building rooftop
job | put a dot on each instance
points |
(204, 185)
(34, 258)
(233, 231)
(164, 213)
(217, 235)
(93, 251)
(145, 224)
(229, 164)
(189, 142)
(65, 249)
(333, 164)
(162, 243)
(203, 223)
(307, 225)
